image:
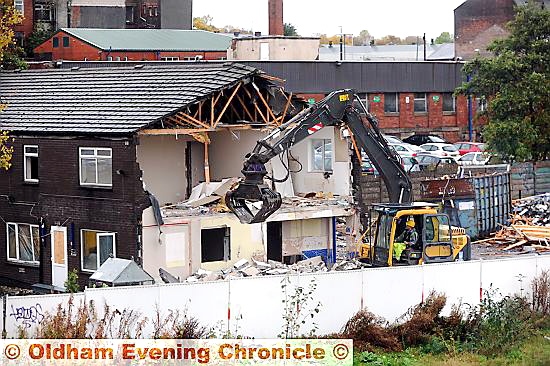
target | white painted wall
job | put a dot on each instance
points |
(256, 303)
(162, 160)
(268, 48)
(306, 180)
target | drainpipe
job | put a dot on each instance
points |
(470, 114)
(333, 239)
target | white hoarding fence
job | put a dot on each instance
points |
(257, 306)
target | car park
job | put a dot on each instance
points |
(425, 161)
(392, 139)
(468, 147)
(441, 150)
(420, 139)
(406, 150)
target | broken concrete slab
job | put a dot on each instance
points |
(241, 264)
(315, 261)
(250, 271)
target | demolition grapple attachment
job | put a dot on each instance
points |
(253, 201)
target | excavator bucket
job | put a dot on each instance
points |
(253, 202)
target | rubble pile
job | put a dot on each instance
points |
(529, 229)
(252, 268)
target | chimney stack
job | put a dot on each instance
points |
(276, 27)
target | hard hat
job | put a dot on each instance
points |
(410, 222)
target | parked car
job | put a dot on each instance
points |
(367, 167)
(426, 160)
(441, 150)
(406, 150)
(424, 139)
(467, 147)
(410, 164)
(392, 139)
(474, 158)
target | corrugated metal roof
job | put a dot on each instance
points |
(152, 39)
(111, 101)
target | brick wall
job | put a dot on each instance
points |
(276, 27)
(478, 22)
(59, 199)
(26, 26)
(79, 50)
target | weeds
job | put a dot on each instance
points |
(298, 309)
(369, 333)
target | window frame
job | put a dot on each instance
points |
(364, 98)
(31, 155)
(17, 251)
(21, 4)
(67, 43)
(170, 58)
(425, 99)
(453, 98)
(396, 95)
(98, 234)
(312, 156)
(481, 104)
(96, 149)
(55, 42)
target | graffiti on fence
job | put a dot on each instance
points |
(28, 316)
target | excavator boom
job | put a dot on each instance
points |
(253, 201)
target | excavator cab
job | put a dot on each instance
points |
(436, 241)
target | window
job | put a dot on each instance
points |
(391, 102)
(450, 148)
(97, 246)
(481, 104)
(96, 165)
(30, 163)
(170, 58)
(130, 14)
(215, 244)
(55, 42)
(420, 103)
(109, 58)
(65, 41)
(23, 242)
(321, 155)
(364, 97)
(43, 12)
(449, 103)
(19, 6)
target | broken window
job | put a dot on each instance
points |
(420, 105)
(43, 12)
(96, 165)
(449, 103)
(23, 242)
(215, 245)
(97, 246)
(30, 163)
(391, 102)
(321, 155)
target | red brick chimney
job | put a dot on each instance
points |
(276, 27)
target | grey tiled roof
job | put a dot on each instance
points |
(118, 100)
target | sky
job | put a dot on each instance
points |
(313, 17)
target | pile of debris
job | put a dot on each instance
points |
(529, 229)
(252, 268)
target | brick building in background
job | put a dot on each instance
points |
(479, 22)
(133, 45)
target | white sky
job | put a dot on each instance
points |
(310, 17)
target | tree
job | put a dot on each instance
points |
(9, 17)
(516, 82)
(444, 37)
(290, 30)
(363, 39)
(204, 23)
(389, 39)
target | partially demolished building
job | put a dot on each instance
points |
(133, 162)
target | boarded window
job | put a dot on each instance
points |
(215, 244)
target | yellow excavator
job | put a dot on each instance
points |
(435, 240)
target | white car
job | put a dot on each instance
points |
(406, 150)
(474, 158)
(392, 139)
(442, 150)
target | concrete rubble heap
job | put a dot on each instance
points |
(529, 229)
(252, 268)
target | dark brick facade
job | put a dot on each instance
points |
(59, 200)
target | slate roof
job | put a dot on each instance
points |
(151, 39)
(110, 101)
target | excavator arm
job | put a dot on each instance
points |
(253, 201)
